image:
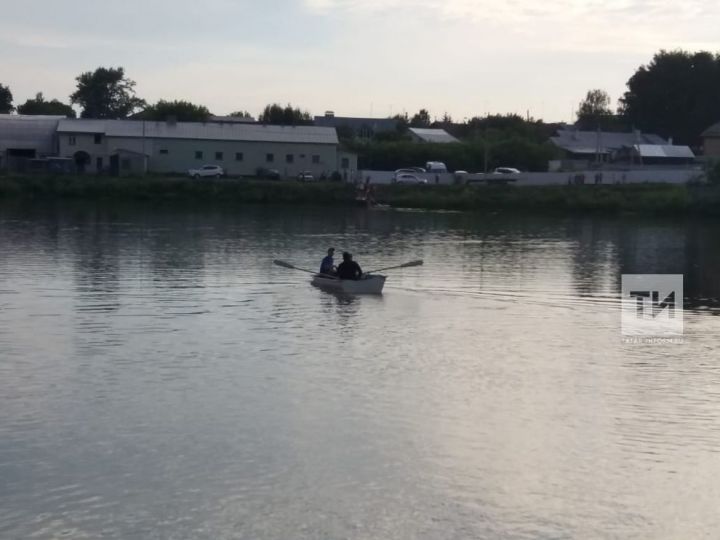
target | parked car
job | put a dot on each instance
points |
(269, 174)
(207, 171)
(506, 170)
(306, 176)
(409, 179)
(435, 167)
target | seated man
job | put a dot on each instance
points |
(327, 266)
(349, 269)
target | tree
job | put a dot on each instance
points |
(240, 114)
(285, 116)
(40, 106)
(181, 111)
(594, 107)
(106, 93)
(675, 95)
(6, 99)
(421, 119)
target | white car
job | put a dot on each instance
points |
(207, 171)
(506, 170)
(306, 176)
(409, 179)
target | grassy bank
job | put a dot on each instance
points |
(637, 198)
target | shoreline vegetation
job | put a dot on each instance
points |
(651, 199)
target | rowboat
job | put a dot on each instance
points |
(368, 284)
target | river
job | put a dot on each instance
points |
(161, 378)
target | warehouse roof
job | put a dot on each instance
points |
(664, 151)
(202, 130)
(712, 131)
(433, 135)
(590, 142)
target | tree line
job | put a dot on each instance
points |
(674, 95)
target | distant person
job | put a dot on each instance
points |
(349, 269)
(327, 266)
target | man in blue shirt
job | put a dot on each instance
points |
(327, 266)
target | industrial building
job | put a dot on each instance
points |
(124, 147)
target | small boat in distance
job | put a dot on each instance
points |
(368, 284)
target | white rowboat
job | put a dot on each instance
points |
(368, 284)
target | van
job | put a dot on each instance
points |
(435, 167)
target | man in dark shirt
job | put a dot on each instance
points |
(349, 269)
(327, 266)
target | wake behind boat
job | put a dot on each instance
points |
(368, 284)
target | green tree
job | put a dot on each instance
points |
(594, 108)
(240, 114)
(40, 106)
(675, 95)
(106, 93)
(181, 111)
(6, 100)
(421, 119)
(286, 116)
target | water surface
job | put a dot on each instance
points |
(160, 378)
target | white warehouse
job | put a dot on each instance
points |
(136, 146)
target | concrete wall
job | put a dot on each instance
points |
(387, 177)
(179, 155)
(637, 176)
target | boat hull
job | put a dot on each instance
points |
(367, 285)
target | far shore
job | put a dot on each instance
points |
(652, 199)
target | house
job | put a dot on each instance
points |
(431, 135)
(26, 137)
(582, 149)
(711, 141)
(136, 146)
(363, 128)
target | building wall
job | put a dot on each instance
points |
(179, 155)
(712, 146)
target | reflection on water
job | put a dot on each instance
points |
(160, 378)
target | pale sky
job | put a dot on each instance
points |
(355, 57)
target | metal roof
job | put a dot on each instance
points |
(589, 142)
(357, 123)
(28, 132)
(433, 135)
(199, 130)
(664, 151)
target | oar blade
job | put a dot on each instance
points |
(413, 263)
(284, 264)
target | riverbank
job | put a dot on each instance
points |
(631, 198)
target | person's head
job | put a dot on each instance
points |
(331, 252)
(347, 256)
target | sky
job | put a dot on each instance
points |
(354, 57)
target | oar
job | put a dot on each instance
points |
(406, 265)
(285, 264)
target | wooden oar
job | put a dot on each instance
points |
(285, 264)
(406, 265)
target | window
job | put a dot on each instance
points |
(239, 156)
(198, 154)
(289, 158)
(345, 163)
(71, 140)
(164, 151)
(218, 156)
(316, 159)
(98, 138)
(269, 158)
